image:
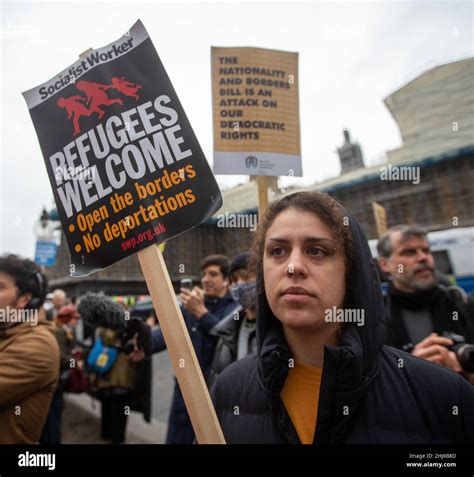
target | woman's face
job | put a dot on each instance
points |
(303, 269)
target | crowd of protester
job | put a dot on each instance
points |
(274, 332)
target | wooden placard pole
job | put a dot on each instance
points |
(380, 216)
(85, 53)
(262, 184)
(180, 348)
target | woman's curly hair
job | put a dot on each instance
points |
(323, 206)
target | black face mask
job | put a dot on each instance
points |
(245, 293)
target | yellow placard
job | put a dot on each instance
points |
(255, 112)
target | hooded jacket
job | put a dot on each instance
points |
(227, 332)
(370, 393)
(29, 370)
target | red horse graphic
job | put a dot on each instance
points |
(95, 97)
(75, 107)
(125, 87)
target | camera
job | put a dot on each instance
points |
(134, 326)
(464, 351)
(98, 309)
(186, 283)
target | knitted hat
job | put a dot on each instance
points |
(239, 262)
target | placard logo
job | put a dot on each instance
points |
(94, 97)
(251, 161)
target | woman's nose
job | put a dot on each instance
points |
(296, 262)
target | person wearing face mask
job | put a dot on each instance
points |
(237, 331)
(321, 373)
(202, 309)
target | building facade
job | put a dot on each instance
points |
(428, 180)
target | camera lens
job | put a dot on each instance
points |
(128, 348)
(465, 353)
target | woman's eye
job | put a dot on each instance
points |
(277, 251)
(316, 252)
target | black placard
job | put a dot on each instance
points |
(124, 164)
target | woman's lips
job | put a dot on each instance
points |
(296, 295)
(296, 298)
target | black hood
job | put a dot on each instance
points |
(355, 358)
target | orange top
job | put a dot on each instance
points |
(300, 395)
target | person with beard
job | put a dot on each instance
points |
(419, 307)
(316, 379)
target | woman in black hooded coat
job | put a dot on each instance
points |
(369, 393)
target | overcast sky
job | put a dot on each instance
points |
(352, 55)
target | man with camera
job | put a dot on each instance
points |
(424, 318)
(116, 376)
(202, 309)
